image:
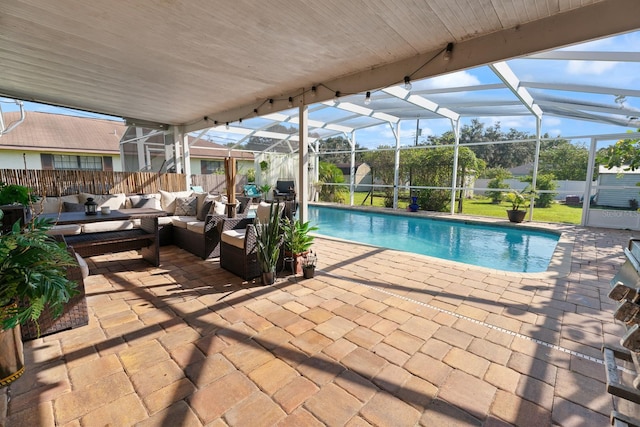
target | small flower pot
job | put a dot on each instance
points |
(413, 207)
(308, 272)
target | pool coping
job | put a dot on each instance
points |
(559, 264)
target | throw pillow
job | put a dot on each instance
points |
(202, 213)
(73, 207)
(186, 206)
(149, 202)
(263, 212)
(168, 199)
(219, 208)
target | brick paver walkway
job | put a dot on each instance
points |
(378, 337)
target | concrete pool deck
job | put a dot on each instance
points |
(378, 337)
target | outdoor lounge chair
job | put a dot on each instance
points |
(285, 190)
(251, 190)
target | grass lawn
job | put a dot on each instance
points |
(560, 213)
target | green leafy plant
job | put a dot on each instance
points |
(251, 175)
(265, 188)
(33, 273)
(264, 165)
(269, 240)
(297, 239)
(516, 199)
(16, 194)
(519, 199)
(496, 195)
(544, 182)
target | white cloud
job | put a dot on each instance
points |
(551, 121)
(459, 78)
(589, 67)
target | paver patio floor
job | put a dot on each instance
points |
(378, 337)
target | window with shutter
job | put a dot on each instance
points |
(47, 161)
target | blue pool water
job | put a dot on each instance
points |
(501, 248)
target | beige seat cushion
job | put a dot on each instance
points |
(234, 237)
(182, 221)
(196, 226)
(97, 227)
(65, 230)
(164, 220)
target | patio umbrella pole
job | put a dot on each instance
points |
(230, 175)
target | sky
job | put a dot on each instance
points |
(596, 73)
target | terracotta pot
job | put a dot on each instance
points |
(11, 356)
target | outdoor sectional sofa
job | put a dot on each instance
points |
(192, 223)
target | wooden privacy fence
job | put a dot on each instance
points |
(217, 183)
(63, 182)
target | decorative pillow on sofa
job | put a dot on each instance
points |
(73, 207)
(148, 202)
(201, 210)
(186, 206)
(218, 208)
(133, 200)
(168, 200)
(52, 204)
(206, 207)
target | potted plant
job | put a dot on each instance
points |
(15, 202)
(518, 202)
(268, 242)
(309, 265)
(33, 276)
(297, 241)
(264, 189)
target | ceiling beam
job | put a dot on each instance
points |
(504, 72)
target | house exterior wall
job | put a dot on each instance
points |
(15, 159)
(618, 197)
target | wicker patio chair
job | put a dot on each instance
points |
(238, 249)
(74, 314)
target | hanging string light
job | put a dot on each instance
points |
(447, 52)
(407, 83)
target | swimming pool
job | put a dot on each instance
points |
(501, 248)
